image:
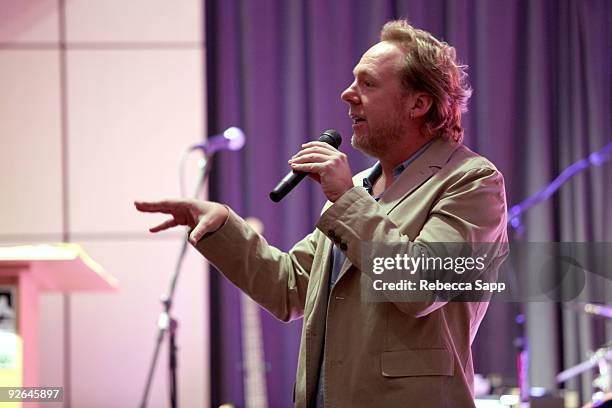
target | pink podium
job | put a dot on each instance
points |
(25, 271)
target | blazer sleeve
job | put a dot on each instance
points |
(470, 209)
(276, 280)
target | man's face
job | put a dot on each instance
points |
(377, 100)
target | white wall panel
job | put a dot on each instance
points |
(30, 142)
(132, 113)
(113, 334)
(134, 102)
(133, 21)
(29, 21)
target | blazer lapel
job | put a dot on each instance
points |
(417, 172)
(413, 176)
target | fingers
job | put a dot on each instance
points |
(199, 231)
(316, 149)
(179, 209)
(314, 153)
(323, 145)
(209, 223)
(316, 158)
(309, 167)
(165, 206)
(309, 157)
(165, 225)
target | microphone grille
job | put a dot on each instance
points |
(331, 137)
(235, 138)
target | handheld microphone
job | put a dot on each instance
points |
(292, 179)
(231, 139)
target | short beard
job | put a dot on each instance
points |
(380, 140)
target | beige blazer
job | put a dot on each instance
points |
(377, 354)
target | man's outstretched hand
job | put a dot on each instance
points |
(201, 216)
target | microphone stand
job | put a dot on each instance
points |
(514, 219)
(594, 159)
(166, 323)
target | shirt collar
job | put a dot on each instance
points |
(368, 182)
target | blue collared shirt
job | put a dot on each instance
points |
(368, 182)
(338, 256)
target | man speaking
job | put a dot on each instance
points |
(405, 103)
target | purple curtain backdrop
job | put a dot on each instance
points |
(542, 100)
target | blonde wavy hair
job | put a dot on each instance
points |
(430, 66)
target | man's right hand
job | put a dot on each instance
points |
(201, 216)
